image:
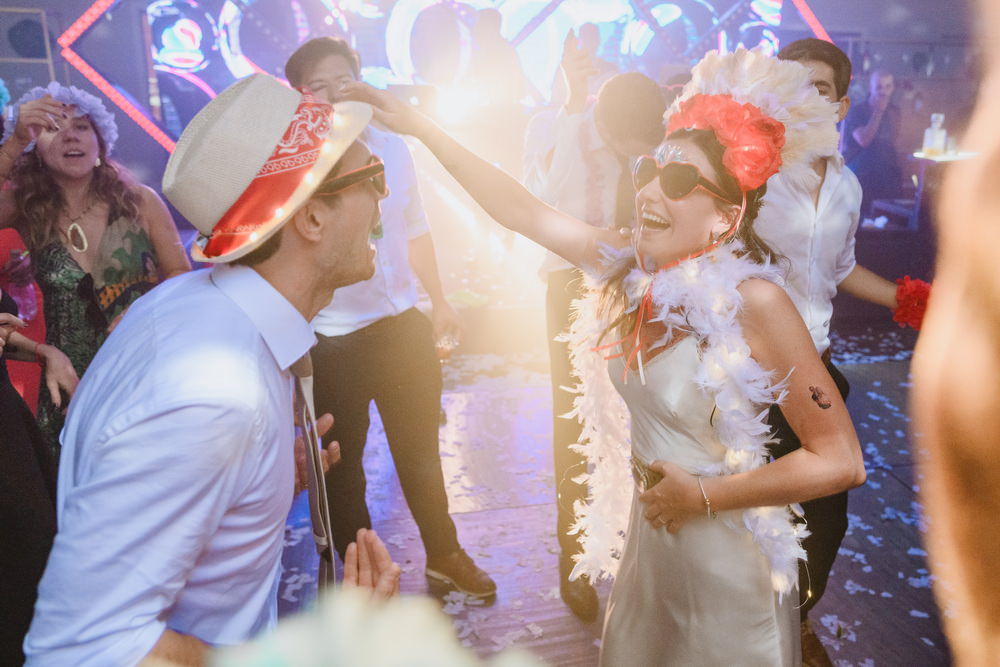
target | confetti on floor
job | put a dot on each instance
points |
(878, 608)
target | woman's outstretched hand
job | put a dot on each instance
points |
(390, 111)
(674, 500)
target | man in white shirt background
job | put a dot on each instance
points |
(584, 169)
(814, 228)
(375, 345)
(177, 464)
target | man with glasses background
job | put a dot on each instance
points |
(375, 345)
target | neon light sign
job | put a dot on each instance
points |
(66, 41)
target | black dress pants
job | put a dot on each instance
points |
(392, 362)
(563, 287)
(826, 518)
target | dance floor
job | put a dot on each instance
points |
(495, 447)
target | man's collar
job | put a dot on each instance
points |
(285, 332)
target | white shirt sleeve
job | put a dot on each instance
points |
(539, 142)
(845, 259)
(148, 498)
(551, 148)
(405, 172)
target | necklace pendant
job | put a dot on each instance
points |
(82, 248)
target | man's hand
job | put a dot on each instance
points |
(674, 500)
(577, 66)
(367, 565)
(880, 103)
(328, 456)
(447, 328)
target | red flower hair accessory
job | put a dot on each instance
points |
(753, 140)
(912, 296)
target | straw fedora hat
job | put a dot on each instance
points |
(251, 158)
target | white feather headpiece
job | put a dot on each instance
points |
(782, 90)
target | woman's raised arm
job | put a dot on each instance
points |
(501, 196)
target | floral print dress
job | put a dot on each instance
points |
(79, 306)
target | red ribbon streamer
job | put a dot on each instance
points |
(646, 304)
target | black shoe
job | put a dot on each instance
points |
(460, 572)
(578, 595)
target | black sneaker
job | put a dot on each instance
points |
(460, 572)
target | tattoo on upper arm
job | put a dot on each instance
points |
(819, 397)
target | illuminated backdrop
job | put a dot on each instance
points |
(198, 47)
(424, 50)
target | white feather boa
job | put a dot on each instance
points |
(699, 296)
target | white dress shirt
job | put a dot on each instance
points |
(176, 475)
(818, 240)
(569, 166)
(393, 288)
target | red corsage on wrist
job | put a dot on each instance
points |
(753, 140)
(911, 295)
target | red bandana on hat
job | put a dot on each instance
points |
(276, 181)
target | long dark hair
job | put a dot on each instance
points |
(614, 303)
(39, 200)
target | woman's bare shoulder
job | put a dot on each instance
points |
(763, 294)
(766, 306)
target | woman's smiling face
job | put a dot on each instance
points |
(670, 229)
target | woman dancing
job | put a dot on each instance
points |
(98, 239)
(703, 340)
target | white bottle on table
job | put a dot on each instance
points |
(935, 136)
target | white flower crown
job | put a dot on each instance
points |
(86, 105)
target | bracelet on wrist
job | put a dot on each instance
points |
(708, 503)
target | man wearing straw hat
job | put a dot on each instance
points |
(178, 463)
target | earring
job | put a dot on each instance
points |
(97, 163)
